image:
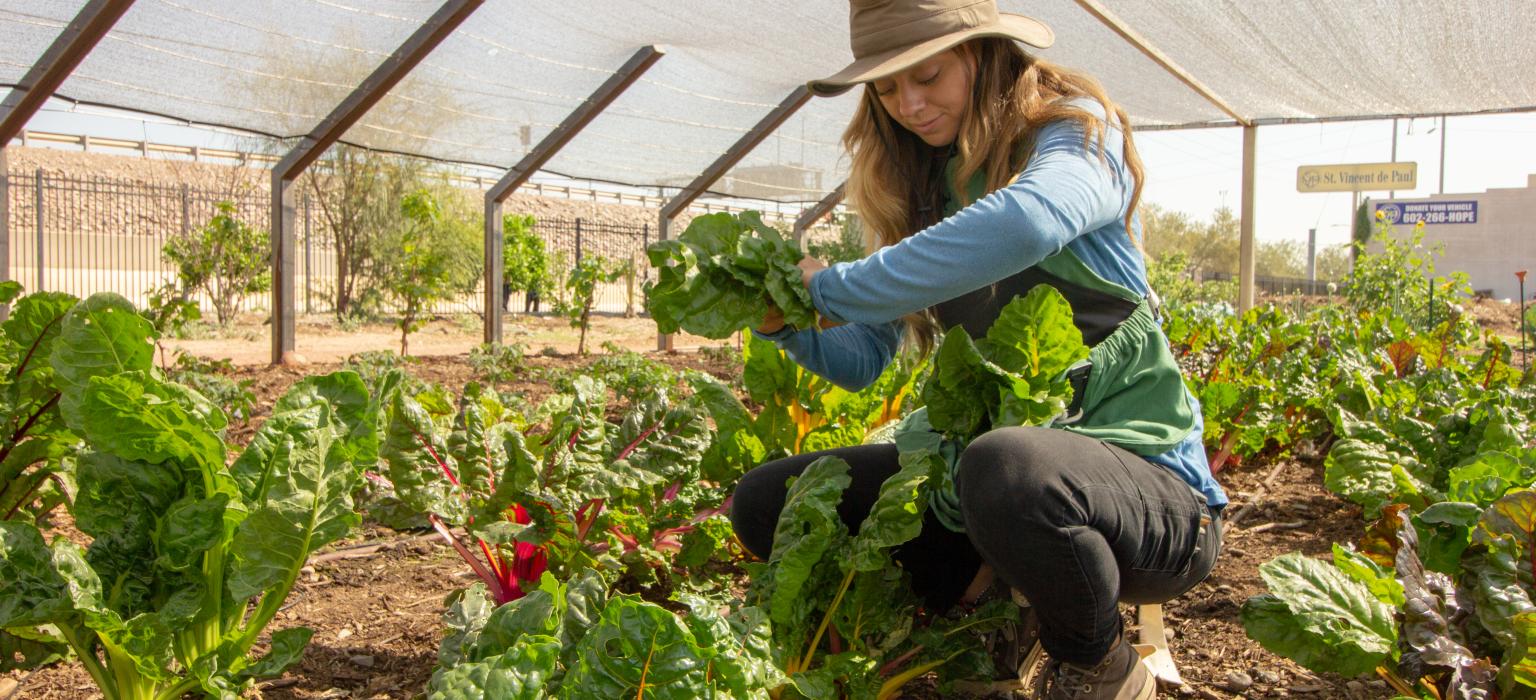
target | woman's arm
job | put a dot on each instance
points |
(850, 356)
(1065, 191)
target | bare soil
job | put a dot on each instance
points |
(320, 339)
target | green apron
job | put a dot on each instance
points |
(1134, 397)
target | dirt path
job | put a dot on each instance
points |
(320, 340)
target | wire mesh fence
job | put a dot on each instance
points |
(83, 235)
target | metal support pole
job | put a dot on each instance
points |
(5, 225)
(283, 216)
(1311, 261)
(494, 271)
(287, 171)
(1246, 269)
(1442, 154)
(309, 306)
(645, 242)
(578, 240)
(664, 341)
(39, 210)
(1392, 194)
(809, 217)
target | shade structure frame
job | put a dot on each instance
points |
(816, 212)
(325, 134)
(547, 148)
(61, 58)
(5, 226)
(744, 145)
(1247, 245)
(40, 82)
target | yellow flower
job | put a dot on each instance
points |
(1381, 215)
(1419, 226)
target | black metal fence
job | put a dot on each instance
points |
(84, 235)
(570, 240)
(1277, 285)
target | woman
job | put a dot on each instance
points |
(982, 171)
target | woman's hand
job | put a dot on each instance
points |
(809, 266)
(773, 321)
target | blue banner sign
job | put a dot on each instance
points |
(1429, 212)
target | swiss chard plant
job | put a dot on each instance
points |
(36, 448)
(721, 275)
(586, 492)
(573, 641)
(1435, 442)
(802, 412)
(843, 624)
(34, 441)
(191, 557)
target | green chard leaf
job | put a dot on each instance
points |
(421, 467)
(639, 650)
(720, 274)
(467, 611)
(808, 529)
(102, 336)
(1319, 617)
(304, 497)
(524, 672)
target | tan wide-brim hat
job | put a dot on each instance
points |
(890, 36)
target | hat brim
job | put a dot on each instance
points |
(1009, 26)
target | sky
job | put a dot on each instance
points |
(1198, 170)
(1194, 171)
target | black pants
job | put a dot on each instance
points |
(1075, 524)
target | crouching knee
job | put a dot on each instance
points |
(1011, 468)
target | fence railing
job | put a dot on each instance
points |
(1276, 285)
(83, 235)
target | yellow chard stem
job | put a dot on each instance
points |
(826, 620)
(893, 684)
(1395, 681)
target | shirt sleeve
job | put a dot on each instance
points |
(1067, 189)
(851, 356)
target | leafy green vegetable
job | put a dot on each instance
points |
(571, 641)
(1016, 375)
(190, 559)
(720, 275)
(1319, 617)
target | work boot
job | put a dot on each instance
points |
(1119, 676)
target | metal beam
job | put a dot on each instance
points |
(389, 73)
(809, 217)
(5, 226)
(739, 150)
(605, 94)
(1245, 265)
(716, 170)
(67, 51)
(1135, 39)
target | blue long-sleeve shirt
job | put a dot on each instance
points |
(1071, 195)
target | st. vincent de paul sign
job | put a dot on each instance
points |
(1357, 177)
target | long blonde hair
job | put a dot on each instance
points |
(895, 180)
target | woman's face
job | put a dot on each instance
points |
(931, 98)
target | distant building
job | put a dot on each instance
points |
(1489, 236)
